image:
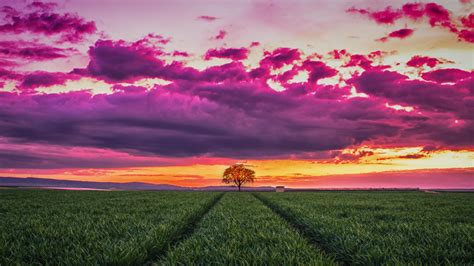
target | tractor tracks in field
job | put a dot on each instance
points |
(302, 229)
(184, 232)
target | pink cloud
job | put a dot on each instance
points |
(318, 70)
(423, 179)
(466, 35)
(207, 18)
(280, 57)
(419, 61)
(414, 10)
(254, 44)
(221, 35)
(437, 16)
(338, 54)
(181, 53)
(363, 62)
(231, 53)
(43, 20)
(400, 34)
(386, 16)
(468, 21)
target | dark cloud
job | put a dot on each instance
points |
(233, 119)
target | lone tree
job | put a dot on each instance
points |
(238, 175)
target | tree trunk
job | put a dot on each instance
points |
(239, 188)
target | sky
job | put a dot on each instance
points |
(324, 94)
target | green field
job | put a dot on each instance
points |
(213, 228)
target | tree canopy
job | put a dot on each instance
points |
(238, 174)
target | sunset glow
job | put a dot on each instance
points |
(320, 94)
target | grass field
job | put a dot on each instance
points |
(91, 227)
(384, 227)
(295, 228)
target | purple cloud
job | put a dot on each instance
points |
(280, 57)
(447, 75)
(318, 70)
(395, 87)
(32, 51)
(43, 20)
(437, 16)
(45, 79)
(117, 61)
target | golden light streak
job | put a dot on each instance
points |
(196, 174)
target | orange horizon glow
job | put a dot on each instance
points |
(299, 173)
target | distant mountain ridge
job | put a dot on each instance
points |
(46, 182)
(57, 183)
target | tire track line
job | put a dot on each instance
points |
(185, 232)
(302, 229)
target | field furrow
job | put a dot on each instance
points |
(94, 228)
(383, 227)
(240, 230)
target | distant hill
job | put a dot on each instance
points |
(55, 183)
(231, 188)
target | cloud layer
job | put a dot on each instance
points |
(279, 103)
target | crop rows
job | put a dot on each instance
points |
(240, 230)
(207, 228)
(85, 227)
(383, 228)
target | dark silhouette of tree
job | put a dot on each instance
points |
(238, 175)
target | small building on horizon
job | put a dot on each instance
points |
(280, 189)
